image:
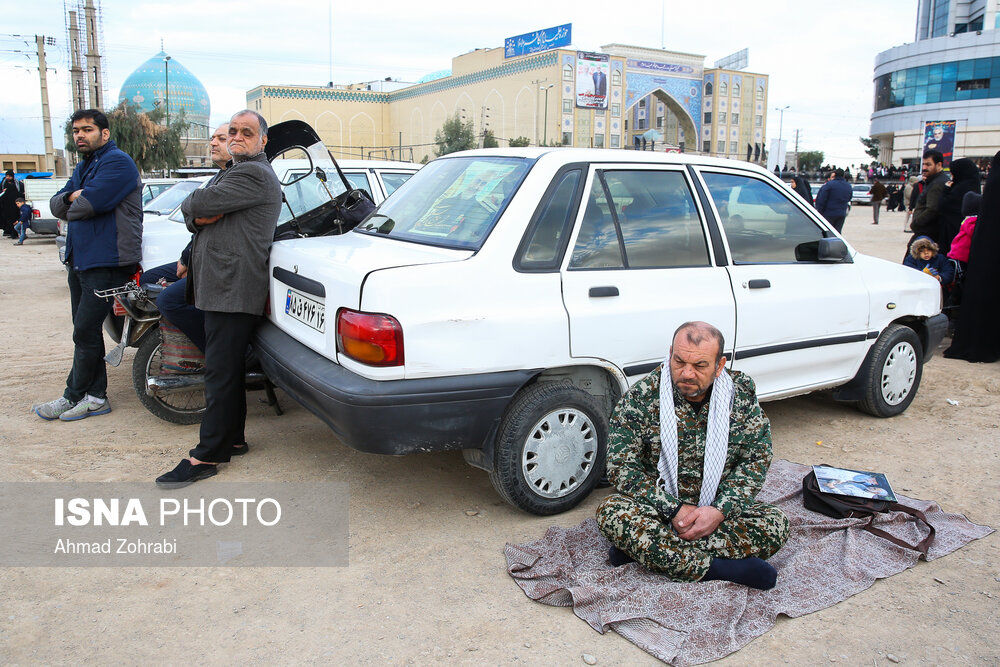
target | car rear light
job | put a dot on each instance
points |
(35, 213)
(371, 338)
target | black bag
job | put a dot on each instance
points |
(849, 507)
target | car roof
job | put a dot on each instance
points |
(155, 181)
(570, 155)
(351, 165)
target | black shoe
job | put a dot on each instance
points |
(617, 557)
(240, 450)
(185, 474)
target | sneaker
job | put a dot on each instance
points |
(88, 407)
(52, 409)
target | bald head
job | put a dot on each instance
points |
(697, 333)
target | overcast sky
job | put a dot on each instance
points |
(820, 60)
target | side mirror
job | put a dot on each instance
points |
(832, 250)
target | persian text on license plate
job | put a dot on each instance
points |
(307, 310)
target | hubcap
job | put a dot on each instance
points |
(898, 373)
(559, 453)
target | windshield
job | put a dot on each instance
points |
(171, 199)
(452, 203)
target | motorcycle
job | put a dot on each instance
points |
(168, 370)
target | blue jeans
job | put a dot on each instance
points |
(89, 374)
(22, 230)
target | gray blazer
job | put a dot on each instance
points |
(228, 271)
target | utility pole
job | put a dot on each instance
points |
(545, 127)
(482, 124)
(50, 155)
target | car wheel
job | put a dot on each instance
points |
(893, 373)
(550, 448)
(183, 407)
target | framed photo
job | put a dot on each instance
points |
(856, 483)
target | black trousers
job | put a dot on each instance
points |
(89, 374)
(227, 336)
(837, 222)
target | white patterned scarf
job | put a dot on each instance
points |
(720, 406)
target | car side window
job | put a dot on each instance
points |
(392, 181)
(657, 218)
(359, 182)
(541, 248)
(761, 224)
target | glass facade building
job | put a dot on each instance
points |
(973, 79)
(950, 73)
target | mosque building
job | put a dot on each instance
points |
(624, 97)
(148, 87)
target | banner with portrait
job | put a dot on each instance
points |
(939, 135)
(592, 73)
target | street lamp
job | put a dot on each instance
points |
(781, 120)
(781, 126)
(545, 126)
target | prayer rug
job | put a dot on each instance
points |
(824, 561)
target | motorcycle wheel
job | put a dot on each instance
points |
(185, 407)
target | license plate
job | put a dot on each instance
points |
(305, 309)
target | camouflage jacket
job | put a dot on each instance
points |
(634, 448)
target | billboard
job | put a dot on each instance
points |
(592, 71)
(738, 60)
(939, 135)
(540, 40)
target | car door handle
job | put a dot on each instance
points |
(609, 290)
(759, 283)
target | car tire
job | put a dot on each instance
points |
(893, 374)
(183, 408)
(550, 448)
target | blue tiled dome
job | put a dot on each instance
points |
(145, 88)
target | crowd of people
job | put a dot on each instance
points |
(942, 209)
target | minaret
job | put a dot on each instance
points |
(95, 76)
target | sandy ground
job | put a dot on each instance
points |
(426, 581)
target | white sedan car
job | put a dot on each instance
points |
(502, 301)
(165, 236)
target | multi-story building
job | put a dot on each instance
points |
(949, 77)
(614, 98)
(734, 118)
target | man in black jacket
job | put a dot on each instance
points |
(233, 220)
(927, 214)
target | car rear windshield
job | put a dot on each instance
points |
(172, 198)
(452, 203)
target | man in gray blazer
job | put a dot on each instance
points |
(233, 220)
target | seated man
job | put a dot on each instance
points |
(686, 504)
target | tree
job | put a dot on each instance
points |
(872, 146)
(489, 140)
(520, 142)
(810, 160)
(455, 135)
(140, 135)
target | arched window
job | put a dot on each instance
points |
(616, 77)
(736, 90)
(708, 89)
(567, 72)
(723, 88)
(760, 91)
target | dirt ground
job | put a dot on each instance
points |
(426, 581)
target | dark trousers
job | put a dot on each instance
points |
(227, 336)
(89, 374)
(181, 314)
(837, 222)
(166, 271)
